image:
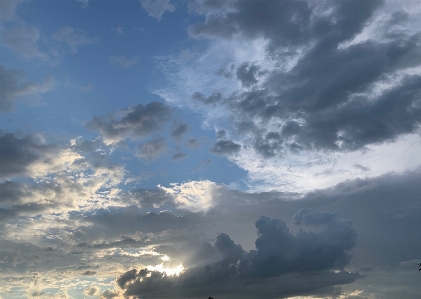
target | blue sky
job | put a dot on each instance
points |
(144, 143)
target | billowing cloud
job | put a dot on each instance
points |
(278, 252)
(319, 106)
(14, 86)
(92, 291)
(156, 8)
(296, 92)
(134, 122)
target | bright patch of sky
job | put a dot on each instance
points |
(144, 143)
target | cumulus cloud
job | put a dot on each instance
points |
(322, 101)
(14, 86)
(157, 8)
(123, 61)
(279, 254)
(296, 90)
(134, 122)
(152, 149)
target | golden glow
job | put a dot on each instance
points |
(168, 271)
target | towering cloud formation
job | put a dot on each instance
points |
(280, 255)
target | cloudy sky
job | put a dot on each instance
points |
(195, 148)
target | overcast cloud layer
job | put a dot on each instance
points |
(187, 149)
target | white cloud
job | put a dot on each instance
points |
(194, 196)
(119, 30)
(156, 8)
(84, 3)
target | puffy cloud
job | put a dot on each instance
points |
(156, 8)
(299, 107)
(123, 61)
(13, 86)
(92, 291)
(278, 252)
(135, 122)
(194, 195)
(322, 101)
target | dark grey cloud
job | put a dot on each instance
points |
(13, 86)
(178, 156)
(225, 147)
(89, 272)
(247, 74)
(18, 153)
(221, 134)
(179, 130)
(326, 99)
(152, 149)
(136, 122)
(278, 252)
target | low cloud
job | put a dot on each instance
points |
(279, 256)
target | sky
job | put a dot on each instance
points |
(194, 148)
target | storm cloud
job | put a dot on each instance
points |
(278, 252)
(327, 98)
